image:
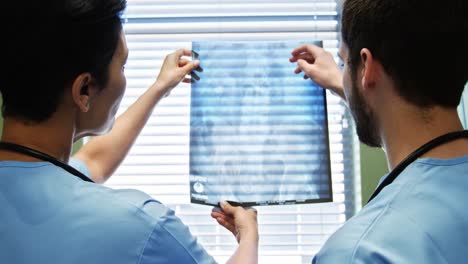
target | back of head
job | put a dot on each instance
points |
(47, 45)
(422, 45)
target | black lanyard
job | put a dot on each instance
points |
(416, 154)
(43, 156)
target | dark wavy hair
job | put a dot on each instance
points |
(47, 45)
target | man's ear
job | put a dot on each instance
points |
(369, 69)
(83, 91)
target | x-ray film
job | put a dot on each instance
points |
(258, 132)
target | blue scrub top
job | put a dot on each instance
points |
(50, 216)
(422, 217)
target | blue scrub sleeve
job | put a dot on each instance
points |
(171, 241)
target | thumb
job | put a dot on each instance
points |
(190, 66)
(306, 67)
(227, 208)
(303, 64)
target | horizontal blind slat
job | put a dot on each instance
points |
(132, 37)
(230, 27)
(184, 2)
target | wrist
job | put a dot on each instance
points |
(337, 86)
(249, 237)
(159, 88)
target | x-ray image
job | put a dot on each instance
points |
(258, 132)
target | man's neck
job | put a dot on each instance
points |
(404, 132)
(51, 137)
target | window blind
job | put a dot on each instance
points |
(158, 163)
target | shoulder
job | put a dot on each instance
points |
(416, 219)
(130, 200)
(383, 236)
(170, 240)
(135, 206)
(342, 245)
(160, 235)
(123, 226)
(139, 207)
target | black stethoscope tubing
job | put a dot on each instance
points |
(43, 156)
(416, 154)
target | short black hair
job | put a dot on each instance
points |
(422, 45)
(47, 44)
